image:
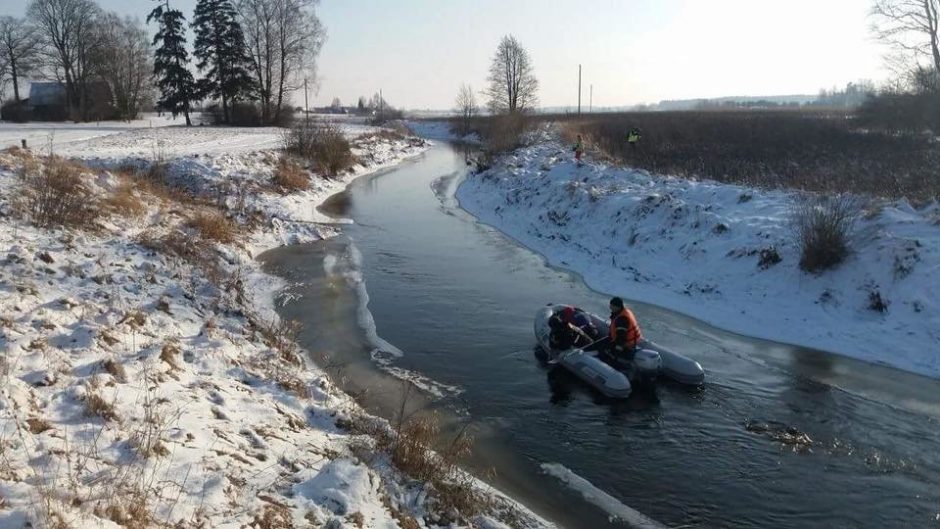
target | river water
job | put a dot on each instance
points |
(779, 436)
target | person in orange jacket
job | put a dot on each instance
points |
(625, 332)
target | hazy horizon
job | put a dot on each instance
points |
(420, 51)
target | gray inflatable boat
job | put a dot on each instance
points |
(651, 360)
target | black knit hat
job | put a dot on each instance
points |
(616, 303)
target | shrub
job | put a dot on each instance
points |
(290, 176)
(54, 194)
(824, 227)
(214, 226)
(323, 143)
(17, 112)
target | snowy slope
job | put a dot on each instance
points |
(139, 389)
(696, 247)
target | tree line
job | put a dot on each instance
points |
(249, 56)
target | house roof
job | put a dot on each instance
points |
(51, 93)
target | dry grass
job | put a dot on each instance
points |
(129, 510)
(124, 201)
(36, 425)
(169, 354)
(824, 227)
(273, 517)
(115, 369)
(54, 194)
(96, 405)
(289, 176)
(175, 243)
(213, 226)
(798, 149)
(418, 448)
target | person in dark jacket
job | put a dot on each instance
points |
(581, 320)
(565, 335)
(624, 333)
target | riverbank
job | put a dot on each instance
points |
(724, 254)
(146, 378)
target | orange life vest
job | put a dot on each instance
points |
(625, 320)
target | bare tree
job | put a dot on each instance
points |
(513, 86)
(909, 26)
(284, 38)
(123, 59)
(466, 106)
(19, 51)
(69, 37)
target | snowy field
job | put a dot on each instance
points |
(140, 387)
(706, 249)
(153, 137)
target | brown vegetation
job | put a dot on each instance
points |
(289, 176)
(54, 194)
(213, 226)
(124, 201)
(418, 448)
(97, 406)
(824, 228)
(798, 149)
(323, 143)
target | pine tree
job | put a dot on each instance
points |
(220, 49)
(176, 83)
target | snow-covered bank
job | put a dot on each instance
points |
(710, 250)
(145, 379)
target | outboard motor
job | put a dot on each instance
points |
(648, 364)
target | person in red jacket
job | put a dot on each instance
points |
(625, 332)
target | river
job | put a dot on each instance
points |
(416, 288)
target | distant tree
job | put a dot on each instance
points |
(19, 51)
(69, 36)
(219, 48)
(512, 83)
(283, 39)
(910, 27)
(336, 103)
(466, 106)
(362, 103)
(124, 61)
(376, 102)
(175, 81)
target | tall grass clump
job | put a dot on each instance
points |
(54, 194)
(323, 143)
(824, 227)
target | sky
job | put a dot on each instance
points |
(418, 52)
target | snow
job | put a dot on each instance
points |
(139, 389)
(148, 137)
(695, 247)
(612, 506)
(39, 135)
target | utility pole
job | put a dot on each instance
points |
(579, 90)
(591, 100)
(306, 103)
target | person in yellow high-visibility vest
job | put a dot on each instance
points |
(633, 137)
(578, 149)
